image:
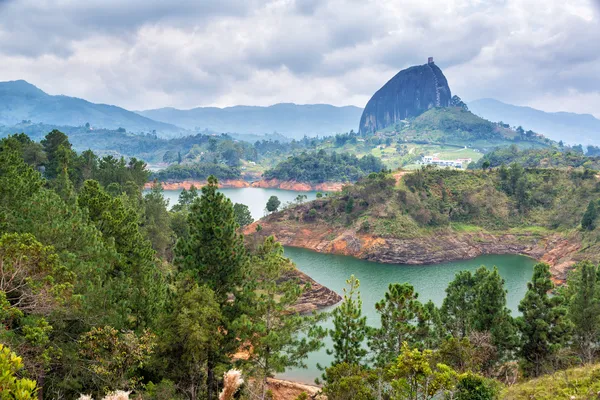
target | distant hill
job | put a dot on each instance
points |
(22, 101)
(292, 120)
(408, 94)
(459, 127)
(569, 127)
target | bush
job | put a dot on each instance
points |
(475, 387)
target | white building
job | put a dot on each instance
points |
(427, 160)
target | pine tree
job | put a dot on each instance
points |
(157, 221)
(584, 309)
(477, 303)
(186, 198)
(416, 375)
(62, 183)
(457, 308)
(490, 311)
(214, 255)
(52, 143)
(243, 217)
(190, 334)
(544, 327)
(272, 325)
(350, 327)
(402, 316)
(120, 226)
(18, 181)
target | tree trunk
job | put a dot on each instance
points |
(211, 391)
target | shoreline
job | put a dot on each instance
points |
(264, 184)
(444, 245)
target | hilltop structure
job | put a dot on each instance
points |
(408, 94)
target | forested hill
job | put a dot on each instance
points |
(22, 101)
(319, 167)
(459, 126)
(435, 215)
(502, 198)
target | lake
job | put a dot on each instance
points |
(255, 198)
(430, 281)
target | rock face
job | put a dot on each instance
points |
(408, 94)
(299, 186)
(443, 245)
(316, 298)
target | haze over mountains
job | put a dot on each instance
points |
(569, 127)
(20, 100)
(292, 120)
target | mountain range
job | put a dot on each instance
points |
(571, 128)
(22, 101)
(292, 120)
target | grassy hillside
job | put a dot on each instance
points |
(576, 383)
(512, 199)
(454, 125)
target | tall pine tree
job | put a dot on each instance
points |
(214, 255)
(272, 326)
(543, 325)
(350, 327)
(584, 309)
(402, 318)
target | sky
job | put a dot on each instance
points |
(142, 54)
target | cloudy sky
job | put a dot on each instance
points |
(143, 54)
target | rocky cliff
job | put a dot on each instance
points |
(408, 94)
(440, 246)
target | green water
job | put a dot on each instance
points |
(429, 281)
(255, 198)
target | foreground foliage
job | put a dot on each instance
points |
(103, 289)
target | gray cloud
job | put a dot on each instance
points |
(184, 53)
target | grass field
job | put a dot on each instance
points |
(576, 383)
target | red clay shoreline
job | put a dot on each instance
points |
(266, 184)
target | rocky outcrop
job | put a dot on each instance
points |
(286, 390)
(408, 94)
(299, 186)
(317, 297)
(439, 246)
